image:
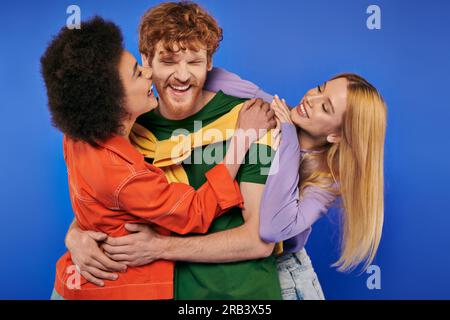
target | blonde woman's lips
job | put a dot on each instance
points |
(302, 111)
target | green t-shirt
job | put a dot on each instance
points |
(255, 279)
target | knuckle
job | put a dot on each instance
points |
(96, 272)
(87, 276)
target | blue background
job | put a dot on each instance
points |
(286, 47)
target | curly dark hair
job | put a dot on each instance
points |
(84, 89)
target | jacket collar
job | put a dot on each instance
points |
(122, 147)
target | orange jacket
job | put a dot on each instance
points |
(113, 185)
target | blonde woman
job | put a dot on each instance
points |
(331, 146)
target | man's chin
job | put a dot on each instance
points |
(180, 105)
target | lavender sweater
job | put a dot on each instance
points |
(283, 217)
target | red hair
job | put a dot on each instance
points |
(184, 25)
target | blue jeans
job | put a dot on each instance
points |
(56, 296)
(297, 277)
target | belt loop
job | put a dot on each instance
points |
(301, 257)
(297, 258)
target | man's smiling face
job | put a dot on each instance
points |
(179, 77)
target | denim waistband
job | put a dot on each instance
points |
(287, 260)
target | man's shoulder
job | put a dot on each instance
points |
(223, 100)
(231, 98)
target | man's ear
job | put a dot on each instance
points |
(144, 60)
(333, 138)
(210, 64)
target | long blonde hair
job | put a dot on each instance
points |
(355, 166)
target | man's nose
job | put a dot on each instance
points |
(182, 73)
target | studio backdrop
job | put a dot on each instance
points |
(286, 47)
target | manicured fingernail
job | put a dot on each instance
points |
(114, 276)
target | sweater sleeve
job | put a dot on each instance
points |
(283, 215)
(231, 84)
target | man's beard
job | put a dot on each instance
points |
(181, 109)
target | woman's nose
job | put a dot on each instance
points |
(147, 72)
(308, 101)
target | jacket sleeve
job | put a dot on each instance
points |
(178, 207)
